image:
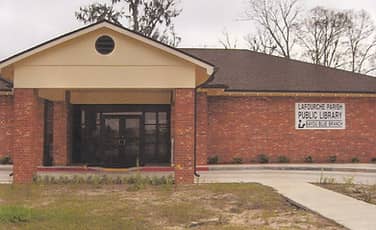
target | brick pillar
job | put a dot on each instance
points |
(202, 128)
(183, 110)
(6, 125)
(61, 133)
(28, 134)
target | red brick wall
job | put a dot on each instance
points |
(183, 123)
(6, 125)
(247, 126)
(61, 133)
(28, 134)
(202, 128)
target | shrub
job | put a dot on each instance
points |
(237, 160)
(348, 180)
(6, 160)
(213, 159)
(373, 160)
(332, 159)
(283, 159)
(138, 180)
(262, 159)
(355, 160)
(308, 159)
(327, 180)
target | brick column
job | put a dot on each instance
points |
(28, 134)
(202, 128)
(183, 110)
(6, 125)
(61, 133)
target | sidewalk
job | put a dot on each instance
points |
(344, 210)
(295, 185)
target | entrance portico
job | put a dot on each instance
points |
(132, 106)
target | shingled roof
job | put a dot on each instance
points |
(244, 70)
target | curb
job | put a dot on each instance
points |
(6, 167)
(285, 168)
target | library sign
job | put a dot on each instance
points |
(320, 116)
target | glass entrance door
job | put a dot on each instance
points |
(121, 135)
(121, 141)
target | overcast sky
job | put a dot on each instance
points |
(24, 23)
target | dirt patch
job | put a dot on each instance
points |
(215, 206)
(365, 193)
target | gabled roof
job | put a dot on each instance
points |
(106, 24)
(244, 70)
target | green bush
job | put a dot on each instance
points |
(262, 159)
(308, 159)
(283, 159)
(6, 160)
(373, 160)
(237, 160)
(138, 180)
(355, 160)
(332, 159)
(213, 160)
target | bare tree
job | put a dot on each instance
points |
(321, 36)
(278, 19)
(151, 18)
(226, 41)
(261, 42)
(360, 39)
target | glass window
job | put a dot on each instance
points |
(150, 134)
(162, 117)
(150, 118)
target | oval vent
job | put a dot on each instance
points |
(104, 44)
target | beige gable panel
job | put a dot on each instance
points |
(81, 51)
(76, 64)
(107, 28)
(104, 77)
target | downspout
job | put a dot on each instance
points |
(195, 137)
(211, 77)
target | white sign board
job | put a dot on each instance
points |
(320, 116)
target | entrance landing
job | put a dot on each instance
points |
(82, 170)
(77, 169)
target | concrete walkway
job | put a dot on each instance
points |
(295, 186)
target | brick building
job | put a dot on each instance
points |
(106, 96)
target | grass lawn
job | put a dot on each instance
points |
(365, 193)
(214, 206)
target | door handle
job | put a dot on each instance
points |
(122, 142)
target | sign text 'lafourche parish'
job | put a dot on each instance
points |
(320, 116)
